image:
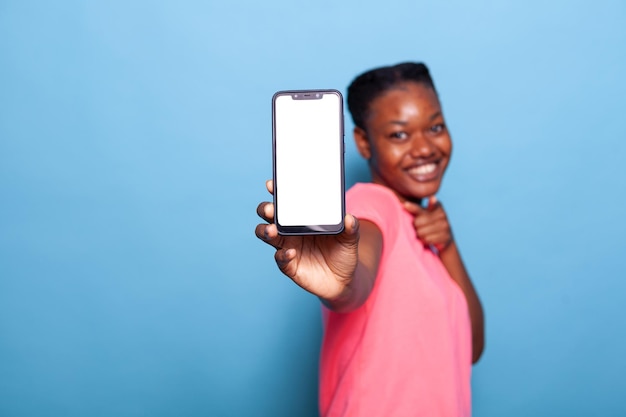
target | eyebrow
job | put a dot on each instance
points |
(404, 122)
(434, 116)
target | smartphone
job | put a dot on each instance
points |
(308, 162)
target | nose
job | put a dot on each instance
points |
(421, 147)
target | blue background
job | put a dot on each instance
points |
(135, 139)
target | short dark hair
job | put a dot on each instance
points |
(371, 84)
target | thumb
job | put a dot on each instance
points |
(432, 203)
(350, 232)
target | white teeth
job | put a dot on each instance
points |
(424, 169)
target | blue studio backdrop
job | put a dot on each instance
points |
(135, 139)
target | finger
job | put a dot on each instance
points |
(351, 225)
(265, 210)
(413, 208)
(269, 184)
(350, 233)
(286, 261)
(268, 233)
(436, 232)
(438, 239)
(432, 201)
(434, 224)
(436, 206)
(429, 218)
(429, 228)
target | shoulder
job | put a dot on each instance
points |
(376, 203)
(364, 196)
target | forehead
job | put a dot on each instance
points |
(404, 101)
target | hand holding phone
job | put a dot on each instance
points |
(321, 264)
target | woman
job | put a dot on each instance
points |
(403, 323)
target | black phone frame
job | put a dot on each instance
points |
(325, 229)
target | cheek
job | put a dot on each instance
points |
(445, 145)
(390, 155)
(397, 155)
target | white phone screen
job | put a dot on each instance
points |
(308, 160)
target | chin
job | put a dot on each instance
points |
(425, 191)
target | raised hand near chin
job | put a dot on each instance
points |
(431, 223)
(321, 264)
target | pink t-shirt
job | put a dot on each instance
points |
(407, 350)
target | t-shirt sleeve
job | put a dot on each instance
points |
(374, 203)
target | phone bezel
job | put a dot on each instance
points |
(323, 229)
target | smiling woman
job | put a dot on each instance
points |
(403, 323)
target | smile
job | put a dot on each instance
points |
(424, 172)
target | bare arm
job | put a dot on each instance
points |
(451, 259)
(432, 227)
(362, 282)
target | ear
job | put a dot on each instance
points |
(362, 143)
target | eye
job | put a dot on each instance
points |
(438, 128)
(399, 135)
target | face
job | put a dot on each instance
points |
(406, 141)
